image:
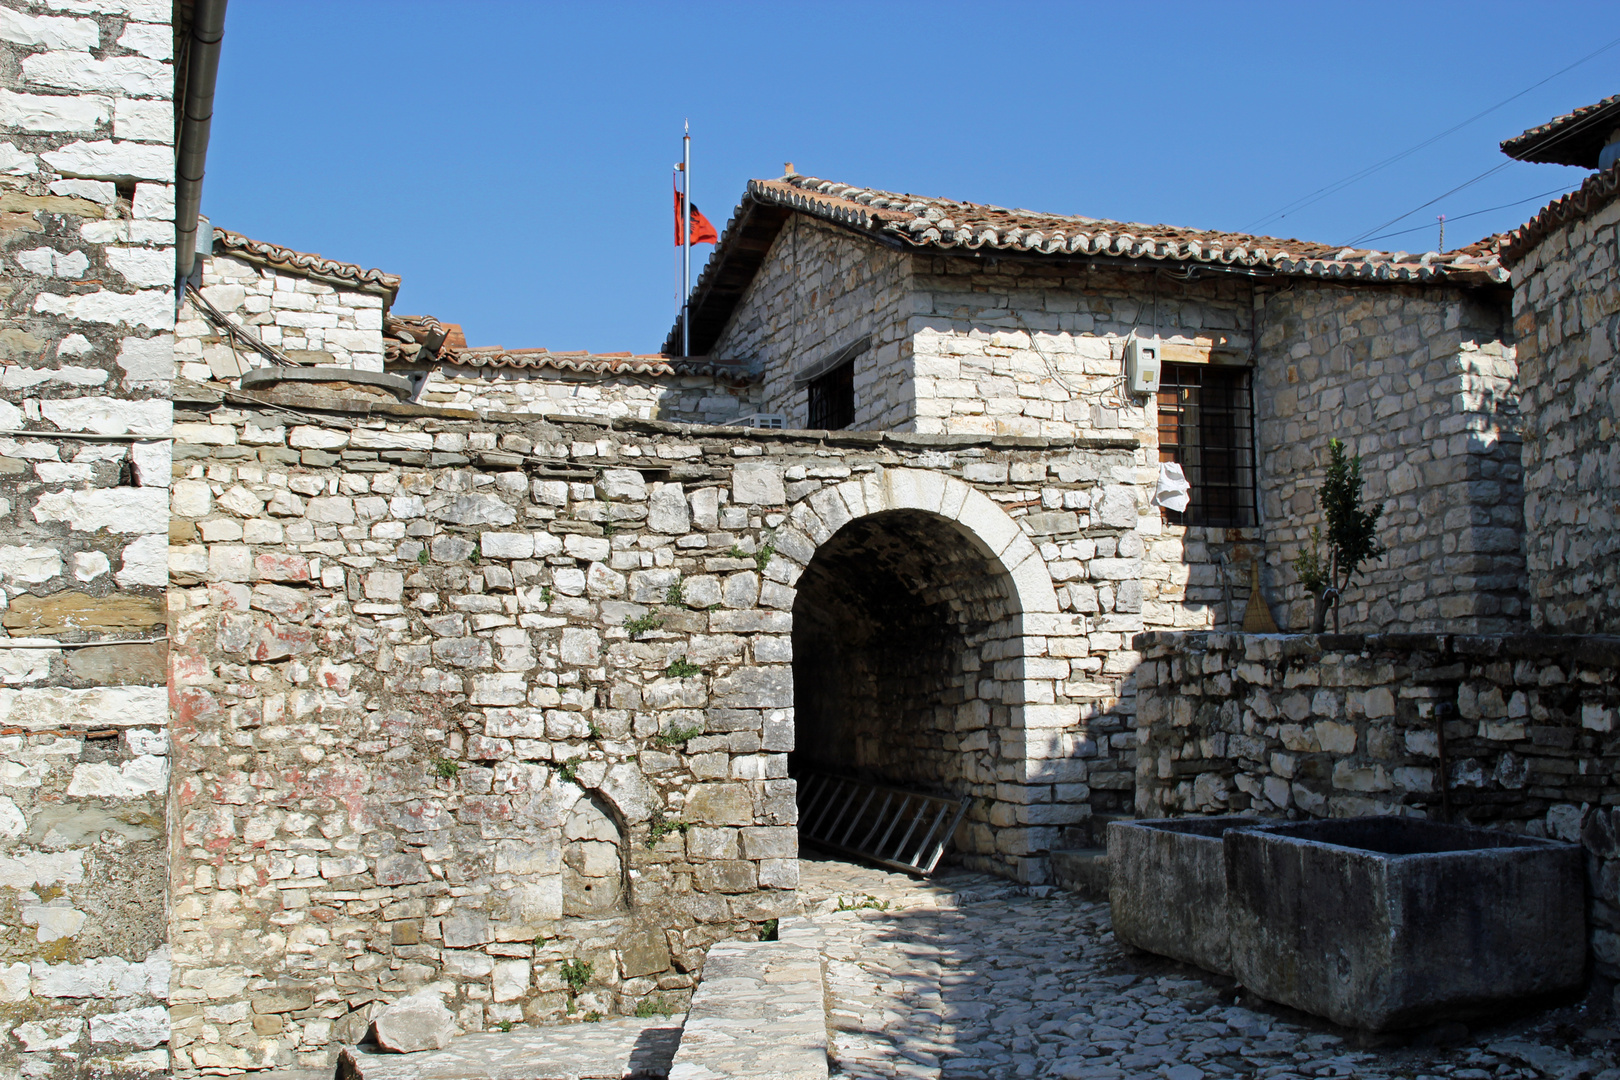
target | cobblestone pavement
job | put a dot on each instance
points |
(969, 977)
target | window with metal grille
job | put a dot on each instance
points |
(1206, 415)
(832, 398)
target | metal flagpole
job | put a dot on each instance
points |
(686, 241)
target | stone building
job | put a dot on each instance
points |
(88, 243)
(1566, 312)
(296, 308)
(472, 661)
(1515, 731)
(873, 310)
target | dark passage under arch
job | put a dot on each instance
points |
(905, 648)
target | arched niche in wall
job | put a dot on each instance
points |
(593, 865)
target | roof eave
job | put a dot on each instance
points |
(1576, 138)
(347, 276)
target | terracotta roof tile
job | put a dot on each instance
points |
(280, 258)
(946, 225)
(1576, 138)
(404, 336)
(1599, 191)
(622, 363)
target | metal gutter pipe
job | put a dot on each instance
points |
(191, 150)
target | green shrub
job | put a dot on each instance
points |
(1351, 536)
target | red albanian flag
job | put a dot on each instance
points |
(702, 231)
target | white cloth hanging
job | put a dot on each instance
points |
(1173, 492)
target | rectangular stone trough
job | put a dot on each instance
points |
(1383, 923)
(1167, 887)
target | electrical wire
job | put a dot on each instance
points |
(36, 644)
(1493, 170)
(1577, 127)
(1475, 213)
(1340, 185)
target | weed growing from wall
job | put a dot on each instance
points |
(680, 668)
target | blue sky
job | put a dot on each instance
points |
(511, 160)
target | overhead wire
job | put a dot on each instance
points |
(1564, 190)
(1569, 131)
(1493, 170)
(1339, 185)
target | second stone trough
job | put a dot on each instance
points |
(1376, 923)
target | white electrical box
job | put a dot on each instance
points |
(1142, 365)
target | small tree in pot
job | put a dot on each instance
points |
(1351, 538)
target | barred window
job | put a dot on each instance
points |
(1206, 415)
(832, 398)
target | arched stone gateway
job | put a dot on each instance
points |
(921, 635)
(489, 701)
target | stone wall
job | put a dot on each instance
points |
(1421, 384)
(691, 399)
(1014, 347)
(312, 321)
(818, 291)
(1518, 733)
(458, 701)
(1566, 311)
(86, 246)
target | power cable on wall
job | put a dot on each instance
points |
(234, 333)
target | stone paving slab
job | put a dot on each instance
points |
(758, 1012)
(1034, 985)
(623, 1049)
(826, 885)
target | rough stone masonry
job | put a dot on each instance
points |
(86, 240)
(1566, 312)
(457, 701)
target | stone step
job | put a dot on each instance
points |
(1083, 871)
(618, 1049)
(757, 1013)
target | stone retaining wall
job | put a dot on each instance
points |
(428, 730)
(1518, 733)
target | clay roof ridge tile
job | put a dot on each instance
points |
(308, 262)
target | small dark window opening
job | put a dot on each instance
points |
(1206, 417)
(832, 398)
